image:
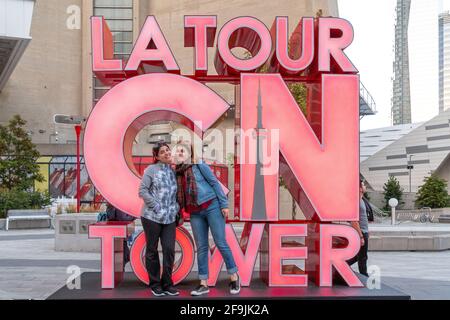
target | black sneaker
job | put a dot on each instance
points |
(157, 292)
(171, 291)
(200, 290)
(235, 286)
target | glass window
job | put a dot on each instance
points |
(121, 56)
(114, 13)
(119, 17)
(123, 47)
(56, 178)
(120, 25)
(123, 36)
(99, 85)
(113, 3)
(70, 175)
(98, 93)
(87, 190)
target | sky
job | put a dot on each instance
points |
(372, 52)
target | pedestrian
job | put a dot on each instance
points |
(114, 214)
(362, 226)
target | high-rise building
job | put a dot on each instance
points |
(444, 61)
(401, 97)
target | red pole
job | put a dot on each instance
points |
(78, 131)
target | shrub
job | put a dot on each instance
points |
(392, 189)
(20, 199)
(433, 193)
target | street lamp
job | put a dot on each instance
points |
(77, 121)
(393, 203)
(409, 166)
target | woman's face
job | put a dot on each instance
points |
(164, 155)
(182, 155)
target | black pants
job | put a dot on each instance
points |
(153, 232)
(361, 257)
(126, 252)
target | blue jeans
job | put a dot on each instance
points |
(211, 218)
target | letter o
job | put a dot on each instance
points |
(186, 243)
(246, 32)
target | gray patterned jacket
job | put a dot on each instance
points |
(158, 189)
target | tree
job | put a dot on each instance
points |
(18, 169)
(299, 92)
(18, 155)
(392, 189)
(433, 193)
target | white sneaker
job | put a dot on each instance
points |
(200, 290)
(235, 286)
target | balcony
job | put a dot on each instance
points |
(367, 105)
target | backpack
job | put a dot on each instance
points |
(114, 214)
(369, 210)
(102, 216)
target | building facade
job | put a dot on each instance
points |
(444, 61)
(54, 75)
(412, 157)
(401, 97)
(373, 140)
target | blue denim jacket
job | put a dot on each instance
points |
(208, 187)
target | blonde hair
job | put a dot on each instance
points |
(188, 147)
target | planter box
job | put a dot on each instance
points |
(71, 232)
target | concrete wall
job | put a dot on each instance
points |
(427, 146)
(71, 233)
(377, 198)
(47, 79)
(443, 171)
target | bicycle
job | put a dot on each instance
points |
(426, 217)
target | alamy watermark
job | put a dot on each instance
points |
(74, 279)
(73, 21)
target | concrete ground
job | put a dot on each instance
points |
(31, 269)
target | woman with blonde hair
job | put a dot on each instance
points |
(201, 195)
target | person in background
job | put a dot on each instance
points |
(201, 195)
(158, 189)
(362, 226)
(114, 214)
(369, 210)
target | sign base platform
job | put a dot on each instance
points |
(132, 288)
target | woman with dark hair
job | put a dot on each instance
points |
(200, 194)
(158, 189)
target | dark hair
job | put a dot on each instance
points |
(158, 146)
(361, 183)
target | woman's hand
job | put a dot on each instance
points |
(225, 212)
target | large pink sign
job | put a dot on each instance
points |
(317, 155)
